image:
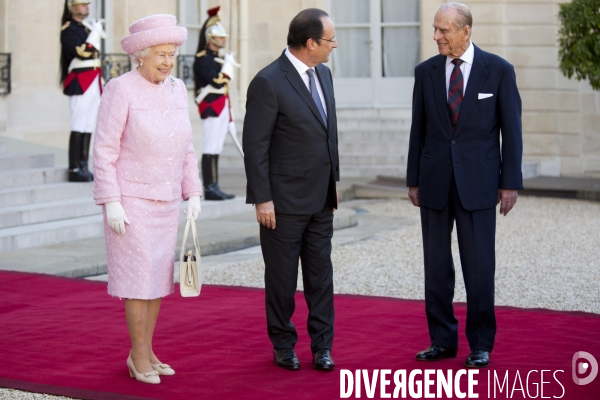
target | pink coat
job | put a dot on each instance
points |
(143, 142)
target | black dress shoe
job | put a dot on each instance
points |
(478, 359)
(286, 358)
(322, 360)
(436, 353)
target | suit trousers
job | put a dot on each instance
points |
(476, 232)
(308, 238)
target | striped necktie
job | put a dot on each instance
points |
(315, 94)
(455, 93)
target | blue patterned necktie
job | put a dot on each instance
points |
(315, 94)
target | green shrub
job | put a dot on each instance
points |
(579, 40)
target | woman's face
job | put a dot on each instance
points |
(159, 63)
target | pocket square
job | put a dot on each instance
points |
(484, 95)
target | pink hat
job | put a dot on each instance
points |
(153, 30)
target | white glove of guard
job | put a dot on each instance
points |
(228, 65)
(229, 58)
(193, 208)
(96, 34)
(115, 215)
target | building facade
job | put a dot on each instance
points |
(379, 43)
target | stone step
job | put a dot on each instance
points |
(12, 162)
(372, 147)
(48, 211)
(374, 124)
(398, 144)
(372, 171)
(373, 113)
(382, 187)
(44, 193)
(33, 176)
(346, 160)
(37, 233)
(48, 233)
(368, 160)
(2, 148)
(376, 135)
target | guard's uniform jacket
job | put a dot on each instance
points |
(207, 71)
(81, 57)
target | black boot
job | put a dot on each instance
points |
(209, 178)
(85, 155)
(75, 172)
(215, 167)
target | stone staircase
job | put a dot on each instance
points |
(38, 207)
(372, 142)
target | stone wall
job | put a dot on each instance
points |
(560, 116)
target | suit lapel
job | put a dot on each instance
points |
(476, 79)
(327, 87)
(438, 77)
(296, 81)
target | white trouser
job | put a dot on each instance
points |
(214, 130)
(84, 108)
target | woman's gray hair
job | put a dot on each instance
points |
(137, 55)
(143, 53)
(463, 14)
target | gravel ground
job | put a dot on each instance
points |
(546, 257)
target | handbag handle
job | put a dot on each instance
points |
(189, 223)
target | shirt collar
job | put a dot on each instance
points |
(299, 65)
(466, 57)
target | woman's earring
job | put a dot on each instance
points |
(141, 63)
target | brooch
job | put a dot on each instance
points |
(172, 82)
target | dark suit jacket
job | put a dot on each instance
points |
(481, 166)
(289, 154)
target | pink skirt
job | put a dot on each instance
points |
(140, 263)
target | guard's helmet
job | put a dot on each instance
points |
(71, 3)
(213, 27)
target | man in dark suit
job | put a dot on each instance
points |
(464, 99)
(292, 165)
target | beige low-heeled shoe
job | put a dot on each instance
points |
(163, 369)
(146, 377)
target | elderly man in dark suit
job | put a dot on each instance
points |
(464, 100)
(292, 165)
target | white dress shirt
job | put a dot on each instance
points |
(302, 68)
(465, 67)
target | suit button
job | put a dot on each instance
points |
(327, 164)
(454, 142)
(448, 162)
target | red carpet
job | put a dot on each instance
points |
(67, 336)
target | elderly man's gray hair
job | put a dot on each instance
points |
(463, 17)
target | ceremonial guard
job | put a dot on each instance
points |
(211, 77)
(81, 80)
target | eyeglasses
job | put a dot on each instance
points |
(332, 40)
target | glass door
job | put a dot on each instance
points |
(378, 48)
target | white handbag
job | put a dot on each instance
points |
(190, 274)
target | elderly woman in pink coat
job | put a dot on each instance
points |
(144, 164)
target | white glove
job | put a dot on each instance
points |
(193, 208)
(115, 215)
(229, 58)
(228, 65)
(96, 34)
